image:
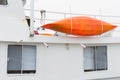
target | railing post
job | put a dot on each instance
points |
(32, 18)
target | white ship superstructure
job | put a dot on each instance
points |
(62, 57)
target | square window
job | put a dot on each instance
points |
(95, 58)
(21, 59)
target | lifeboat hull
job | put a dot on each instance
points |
(80, 26)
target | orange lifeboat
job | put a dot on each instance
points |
(80, 26)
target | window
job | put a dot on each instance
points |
(3, 2)
(21, 59)
(95, 58)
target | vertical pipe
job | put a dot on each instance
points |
(32, 18)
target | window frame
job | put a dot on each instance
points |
(5, 4)
(21, 71)
(95, 58)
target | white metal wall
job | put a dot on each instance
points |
(62, 62)
(13, 25)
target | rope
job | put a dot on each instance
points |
(70, 25)
(101, 22)
(70, 21)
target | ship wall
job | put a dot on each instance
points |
(13, 24)
(61, 62)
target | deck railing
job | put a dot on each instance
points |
(42, 17)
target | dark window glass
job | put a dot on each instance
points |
(95, 58)
(21, 59)
(3, 2)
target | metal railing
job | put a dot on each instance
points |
(64, 15)
(42, 17)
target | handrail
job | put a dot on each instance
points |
(65, 14)
(74, 13)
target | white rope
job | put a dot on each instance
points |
(71, 25)
(101, 22)
(70, 21)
